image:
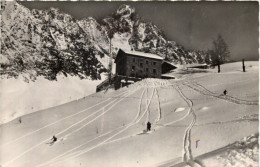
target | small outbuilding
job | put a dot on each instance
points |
(199, 66)
(167, 66)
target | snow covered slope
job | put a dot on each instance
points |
(110, 128)
(20, 98)
(241, 153)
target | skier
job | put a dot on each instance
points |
(225, 92)
(148, 126)
(54, 139)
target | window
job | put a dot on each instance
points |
(133, 59)
(133, 68)
(141, 64)
(147, 70)
(154, 63)
(147, 62)
(154, 71)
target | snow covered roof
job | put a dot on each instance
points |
(142, 54)
(168, 75)
(167, 62)
(195, 65)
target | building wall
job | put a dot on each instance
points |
(121, 64)
(142, 67)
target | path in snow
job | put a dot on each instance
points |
(187, 113)
(207, 92)
(187, 153)
(159, 106)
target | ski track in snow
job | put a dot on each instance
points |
(67, 154)
(108, 140)
(135, 122)
(201, 86)
(80, 150)
(46, 126)
(148, 111)
(204, 91)
(30, 149)
(159, 106)
(188, 112)
(158, 119)
(187, 152)
(84, 125)
(107, 105)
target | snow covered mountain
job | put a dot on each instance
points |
(49, 42)
(45, 43)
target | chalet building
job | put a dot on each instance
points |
(138, 64)
(132, 66)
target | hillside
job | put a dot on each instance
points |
(19, 98)
(110, 128)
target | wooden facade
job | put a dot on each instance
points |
(138, 64)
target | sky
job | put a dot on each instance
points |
(194, 25)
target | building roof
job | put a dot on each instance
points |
(195, 65)
(142, 54)
(167, 75)
(169, 63)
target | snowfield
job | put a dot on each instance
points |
(19, 98)
(109, 128)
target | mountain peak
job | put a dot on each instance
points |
(125, 11)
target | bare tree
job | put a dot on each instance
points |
(220, 52)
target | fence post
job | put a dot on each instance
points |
(243, 63)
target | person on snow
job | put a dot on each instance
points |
(54, 139)
(225, 92)
(148, 126)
